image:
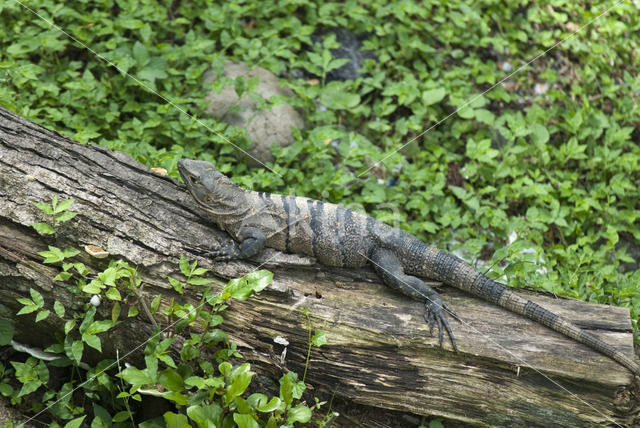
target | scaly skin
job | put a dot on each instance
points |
(338, 236)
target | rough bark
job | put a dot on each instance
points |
(509, 371)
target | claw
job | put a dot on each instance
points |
(434, 313)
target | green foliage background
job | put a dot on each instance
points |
(556, 169)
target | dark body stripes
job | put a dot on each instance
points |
(338, 236)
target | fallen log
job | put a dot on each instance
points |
(509, 371)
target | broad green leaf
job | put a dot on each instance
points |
(74, 352)
(171, 380)
(37, 297)
(184, 265)
(196, 280)
(466, 112)
(63, 206)
(177, 285)
(42, 315)
(6, 332)
(336, 96)
(44, 207)
(245, 421)
(112, 293)
(99, 326)
(299, 413)
(539, 134)
(319, 339)
(70, 252)
(286, 390)
(27, 310)
(175, 420)
(65, 216)
(43, 228)
(140, 54)
(93, 341)
(108, 276)
(136, 376)
(75, 423)
(433, 96)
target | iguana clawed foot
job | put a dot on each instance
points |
(224, 254)
(220, 254)
(435, 313)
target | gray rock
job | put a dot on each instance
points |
(264, 127)
(350, 47)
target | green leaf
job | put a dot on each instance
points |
(63, 206)
(74, 352)
(202, 414)
(286, 390)
(70, 252)
(240, 380)
(319, 339)
(6, 390)
(140, 54)
(184, 266)
(120, 417)
(336, 96)
(6, 332)
(42, 315)
(99, 326)
(112, 293)
(69, 325)
(108, 276)
(260, 403)
(37, 297)
(539, 134)
(245, 421)
(136, 377)
(175, 420)
(171, 380)
(177, 285)
(44, 207)
(66, 216)
(63, 276)
(299, 413)
(485, 116)
(199, 271)
(27, 309)
(43, 228)
(93, 341)
(54, 255)
(58, 308)
(75, 423)
(466, 112)
(433, 96)
(94, 287)
(198, 281)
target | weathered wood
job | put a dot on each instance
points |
(509, 371)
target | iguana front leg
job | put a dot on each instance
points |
(389, 267)
(250, 241)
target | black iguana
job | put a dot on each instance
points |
(338, 236)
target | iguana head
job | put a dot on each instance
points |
(205, 183)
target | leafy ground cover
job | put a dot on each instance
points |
(536, 179)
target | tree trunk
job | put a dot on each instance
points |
(509, 371)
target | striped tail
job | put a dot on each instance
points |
(454, 272)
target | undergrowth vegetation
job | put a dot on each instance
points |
(535, 179)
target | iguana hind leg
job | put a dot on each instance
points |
(251, 241)
(389, 268)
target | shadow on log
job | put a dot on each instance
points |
(509, 371)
